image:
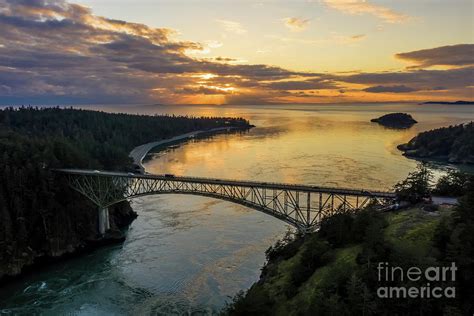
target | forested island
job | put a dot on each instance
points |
(396, 120)
(454, 144)
(447, 102)
(40, 217)
(335, 271)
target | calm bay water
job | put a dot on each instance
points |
(188, 254)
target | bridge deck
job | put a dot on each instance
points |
(268, 185)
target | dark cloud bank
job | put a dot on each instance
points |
(58, 52)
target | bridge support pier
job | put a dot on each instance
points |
(284, 201)
(104, 220)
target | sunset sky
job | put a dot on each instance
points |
(235, 52)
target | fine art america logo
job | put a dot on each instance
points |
(434, 281)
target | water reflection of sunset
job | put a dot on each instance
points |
(312, 145)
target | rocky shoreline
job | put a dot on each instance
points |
(81, 235)
(68, 244)
(453, 144)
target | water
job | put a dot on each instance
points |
(186, 254)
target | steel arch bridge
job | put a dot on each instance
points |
(302, 206)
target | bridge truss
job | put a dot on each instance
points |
(299, 205)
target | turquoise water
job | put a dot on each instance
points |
(186, 254)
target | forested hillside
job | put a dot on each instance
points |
(336, 270)
(454, 144)
(81, 138)
(39, 216)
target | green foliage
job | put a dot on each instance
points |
(343, 229)
(81, 138)
(454, 184)
(453, 143)
(455, 242)
(38, 213)
(335, 229)
(321, 283)
(254, 302)
(361, 224)
(416, 187)
(284, 248)
(315, 253)
(318, 282)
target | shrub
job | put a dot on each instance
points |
(316, 253)
(255, 302)
(359, 226)
(336, 229)
(416, 187)
(284, 248)
(454, 184)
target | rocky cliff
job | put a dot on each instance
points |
(42, 236)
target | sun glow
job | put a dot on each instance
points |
(223, 89)
(277, 54)
(206, 76)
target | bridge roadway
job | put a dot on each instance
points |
(303, 206)
(244, 183)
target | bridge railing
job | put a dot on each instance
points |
(300, 205)
(248, 183)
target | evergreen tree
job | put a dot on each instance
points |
(417, 186)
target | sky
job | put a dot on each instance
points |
(235, 52)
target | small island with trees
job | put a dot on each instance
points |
(454, 144)
(396, 120)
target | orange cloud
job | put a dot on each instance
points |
(296, 24)
(53, 50)
(358, 7)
